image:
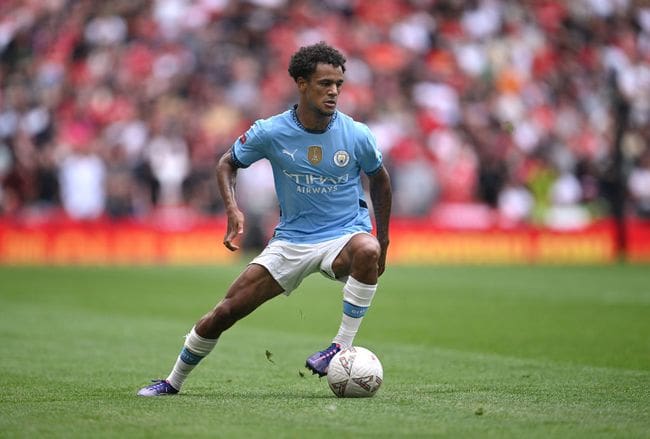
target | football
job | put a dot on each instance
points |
(355, 372)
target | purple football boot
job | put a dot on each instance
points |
(320, 361)
(159, 388)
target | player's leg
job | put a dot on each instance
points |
(359, 258)
(358, 261)
(251, 289)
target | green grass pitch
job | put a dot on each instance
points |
(521, 352)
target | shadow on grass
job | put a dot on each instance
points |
(263, 395)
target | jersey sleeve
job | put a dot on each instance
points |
(249, 147)
(368, 154)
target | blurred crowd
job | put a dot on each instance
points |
(487, 111)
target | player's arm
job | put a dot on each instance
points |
(381, 196)
(226, 178)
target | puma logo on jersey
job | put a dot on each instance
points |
(290, 154)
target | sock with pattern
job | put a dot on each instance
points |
(357, 297)
(194, 349)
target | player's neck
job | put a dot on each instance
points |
(311, 120)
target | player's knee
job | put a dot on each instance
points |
(225, 314)
(367, 251)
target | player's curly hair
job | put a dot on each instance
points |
(303, 62)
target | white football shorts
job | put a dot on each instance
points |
(290, 263)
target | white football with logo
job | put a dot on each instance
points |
(355, 372)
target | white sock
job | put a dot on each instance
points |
(194, 349)
(357, 297)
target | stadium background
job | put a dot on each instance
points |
(514, 131)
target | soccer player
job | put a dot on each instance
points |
(317, 154)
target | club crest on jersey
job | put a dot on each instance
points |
(315, 154)
(341, 158)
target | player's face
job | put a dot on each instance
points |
(321, 91)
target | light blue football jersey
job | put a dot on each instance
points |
(316, 174)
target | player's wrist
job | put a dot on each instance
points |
(232, 210)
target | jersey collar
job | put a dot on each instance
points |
(294, 115)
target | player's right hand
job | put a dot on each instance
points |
(235, 229)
